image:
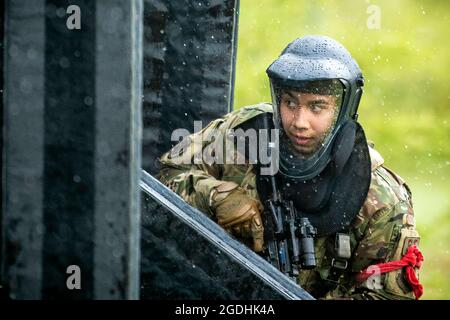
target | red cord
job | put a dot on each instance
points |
(412, 259)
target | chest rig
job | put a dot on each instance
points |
(331, 200)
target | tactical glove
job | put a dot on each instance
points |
(238, 213)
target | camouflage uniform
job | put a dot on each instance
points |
(381, 232)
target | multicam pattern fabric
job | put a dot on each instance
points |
(381, 232)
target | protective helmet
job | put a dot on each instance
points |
(316, 64)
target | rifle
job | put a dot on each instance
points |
(292, 244)
(290, 241)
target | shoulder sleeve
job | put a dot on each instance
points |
(185, 171)
(196, 165)
(388, 231)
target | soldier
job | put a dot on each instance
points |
(366, 242)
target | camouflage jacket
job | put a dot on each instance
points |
(381, 232)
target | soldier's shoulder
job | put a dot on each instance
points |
(256, 108)
(241, 115)
(388, 192)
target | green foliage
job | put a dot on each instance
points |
(406, 105)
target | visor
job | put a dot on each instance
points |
(299, 158)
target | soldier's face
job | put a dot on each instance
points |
(307, 119)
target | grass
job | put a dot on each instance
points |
(432, 210)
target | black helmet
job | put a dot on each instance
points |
(316, 64)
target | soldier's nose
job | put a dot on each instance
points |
(301, 120)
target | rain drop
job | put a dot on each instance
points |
(88, 101)
(60, 12)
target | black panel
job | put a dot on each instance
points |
(189, 54)
(2, 31)
(69, 149)
(180, 262)
(177, 263)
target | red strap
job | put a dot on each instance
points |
(412, 259)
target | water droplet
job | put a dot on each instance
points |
(64, 62)
(88, 101)
(60, 12)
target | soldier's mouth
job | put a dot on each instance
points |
(302, 141)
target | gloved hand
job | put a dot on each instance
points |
(238, 213)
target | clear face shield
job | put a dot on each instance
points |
(307, 115)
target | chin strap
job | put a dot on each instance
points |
(412, 259)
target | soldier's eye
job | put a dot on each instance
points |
(290, 103)
(317, 107)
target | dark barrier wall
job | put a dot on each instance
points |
(71, 225)
(2, 30)
(189, 57)
(71, 158)
(185, 255)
